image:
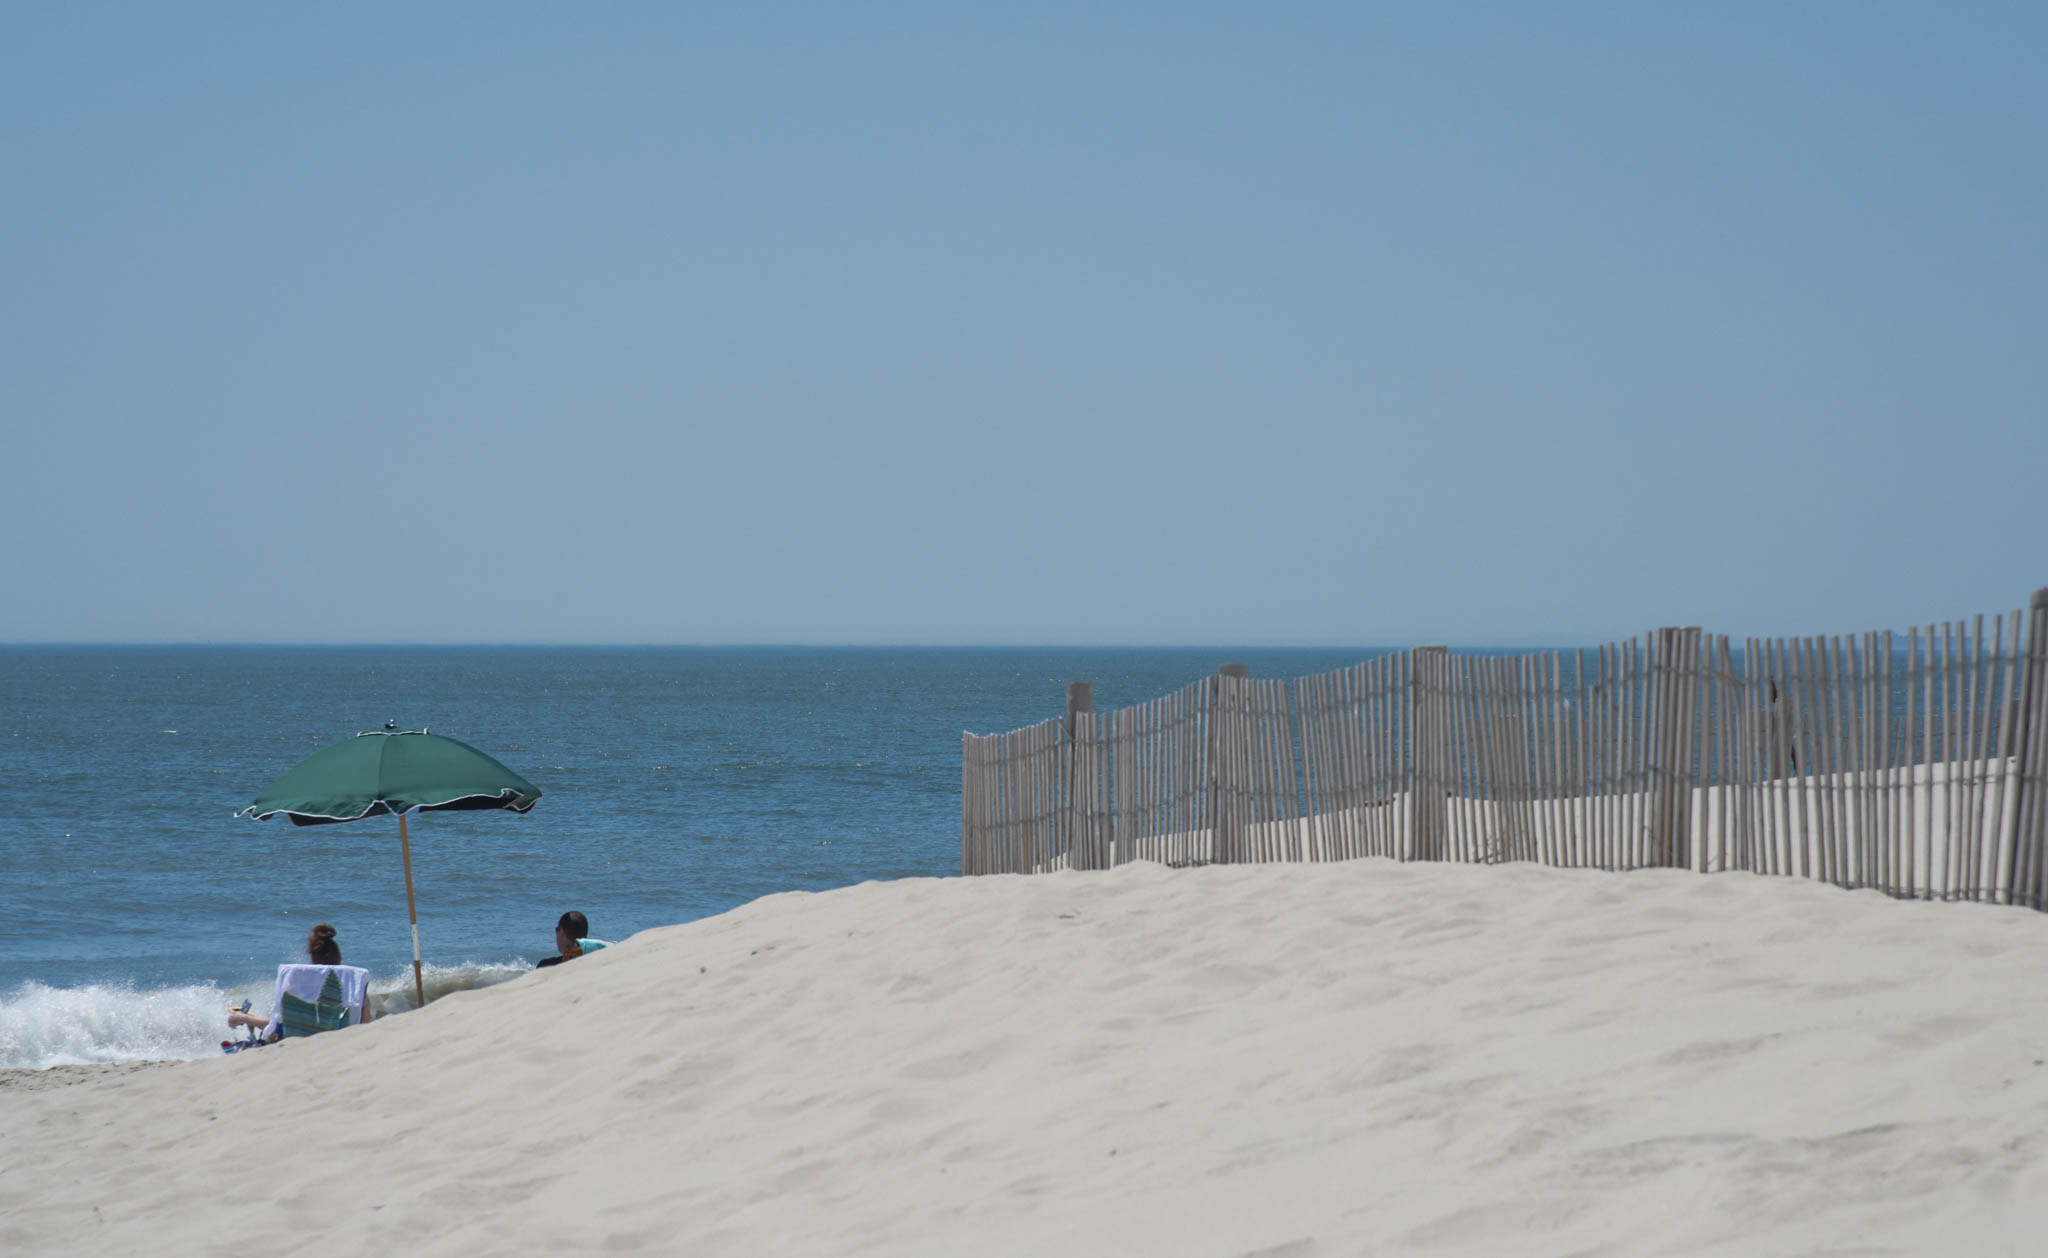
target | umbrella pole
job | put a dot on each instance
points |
(419, 986)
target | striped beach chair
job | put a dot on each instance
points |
(310, 1017)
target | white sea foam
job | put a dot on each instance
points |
(65, 1026)
(394, 993)
(42, 1026)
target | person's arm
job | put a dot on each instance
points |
(237, 1018)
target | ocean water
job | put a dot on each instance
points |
(679, 782)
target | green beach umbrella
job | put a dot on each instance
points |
(392, 771)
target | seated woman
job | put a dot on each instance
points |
(320, 996)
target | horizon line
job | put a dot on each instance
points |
(160, 644)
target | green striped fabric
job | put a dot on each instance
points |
(312, 1017)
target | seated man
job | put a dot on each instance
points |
(570, 939)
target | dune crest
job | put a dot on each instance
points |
(1296, 1060)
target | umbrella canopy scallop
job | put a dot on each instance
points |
(392, 771)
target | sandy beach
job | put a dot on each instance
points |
(1273, 1060)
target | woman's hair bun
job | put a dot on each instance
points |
(320, 946)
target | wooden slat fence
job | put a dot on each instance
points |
(1915, 763)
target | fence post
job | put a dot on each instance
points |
(968, 790)
(1428, 675)
(1224, 737)
(2030, 806)
(1080, 698)
(1675, 681)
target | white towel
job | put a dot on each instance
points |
(307, 981)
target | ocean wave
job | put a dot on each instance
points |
(395, 994)
(42, 1026)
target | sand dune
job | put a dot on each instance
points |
(1274, 1060)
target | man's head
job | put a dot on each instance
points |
(572, 927)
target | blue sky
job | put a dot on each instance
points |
(1218, 324)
